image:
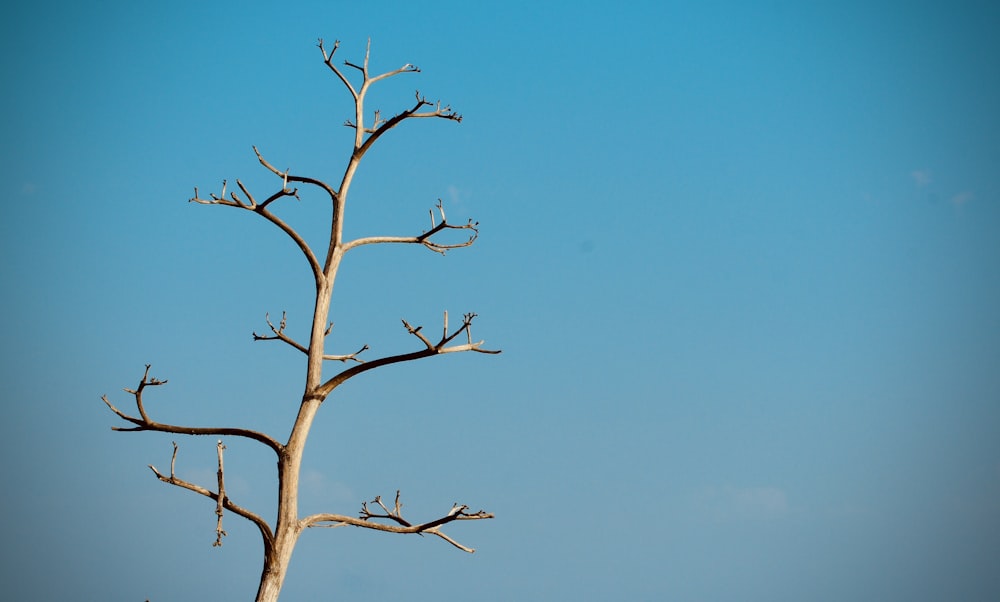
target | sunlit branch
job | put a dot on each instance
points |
(430, 348)
(287, 177)
(380, 125)
(279, 335)
(445, 112)
(425, 239)
(328, 59)
(367, 518)
(261, 209)
(144, 423)
(219, 498)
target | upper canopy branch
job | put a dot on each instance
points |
(251, 204)
(287, 177)
(379, 125)
(234, 200)
(363, 68)
(144, 423)
(425, 238)
(366, 518)
(374, 133)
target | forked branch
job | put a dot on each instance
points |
(426, 238)
(287, 177)
(145, 423)
(444, 345)
(222, 500)
(279, 335)
(251, 204)
(363, 68)
(367, 519)
(443, 112)
(379, 125)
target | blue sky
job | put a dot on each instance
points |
(742, 259)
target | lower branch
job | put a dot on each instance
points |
(366, 518)
(144, 423)
(221, 499)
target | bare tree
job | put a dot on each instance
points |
(279, 538)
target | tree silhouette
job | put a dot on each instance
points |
(280, 536)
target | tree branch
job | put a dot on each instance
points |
(219, 533)
(366, 518)
(287, 177)
(425, 238)
(221, 498)
(144, 423)
(261, 209)
(380, 126)
(445, 112)
(442, 346)
(279, 335)
(328, 59)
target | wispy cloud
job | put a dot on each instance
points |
(318, 484)
(921, 177)
(455, 196)
(962, 198)
(723, 504)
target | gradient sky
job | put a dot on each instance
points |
(743, 260)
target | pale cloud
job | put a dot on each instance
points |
(921, 177)
(454, 197)
(724, 504)
(316, 483)
(962, 198)
(761, 501)
(28, 188)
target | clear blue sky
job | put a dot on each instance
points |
(743, 260)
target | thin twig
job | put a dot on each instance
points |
(219, 533)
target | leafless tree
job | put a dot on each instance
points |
(279, 538)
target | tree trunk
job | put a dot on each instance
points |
(287, 527)
(276, 565)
